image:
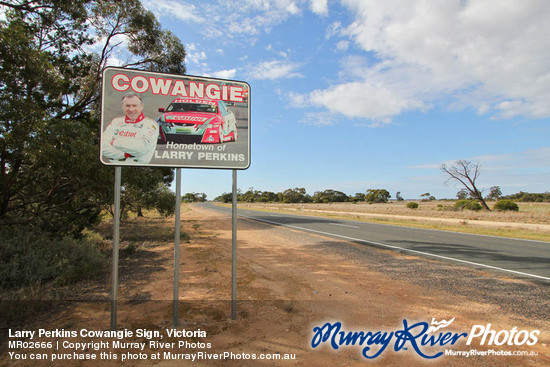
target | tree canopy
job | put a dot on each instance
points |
(329, 196)
(52, 53)
(299, 195)
(377, 196)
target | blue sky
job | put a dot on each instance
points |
(363, 94)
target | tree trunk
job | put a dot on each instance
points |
(482, 202)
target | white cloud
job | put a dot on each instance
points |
(174, 9)
(319, 118)
(193, 55)
(490, 55)
(228, 18)
(363, 99)
(290, 6)
(342, 45)
(319, 7)
(235, 18)
(274, 70)
(225, 74)
(296, 99)
(333, 29)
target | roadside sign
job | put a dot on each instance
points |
(167, 120)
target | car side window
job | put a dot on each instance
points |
(223, 110)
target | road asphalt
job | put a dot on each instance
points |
(520, 258)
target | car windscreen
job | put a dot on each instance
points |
(192, 107)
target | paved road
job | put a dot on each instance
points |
(523, 258)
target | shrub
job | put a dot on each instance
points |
(30, 257)
(468, 204)
(506, 205)
(461, 204)
(412, 205)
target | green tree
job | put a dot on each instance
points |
(296, 195)
(357, 197)
(139, 187)
(529, 197)
(251, 196)
(494, 193)
(50, 175)
(188, 198)
(201, 197)
(377, 196)
(427, 197)
(194, 197)
(329, 196)
(268, 197)
(226, 197)
(163, 200)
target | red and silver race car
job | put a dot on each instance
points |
(209, 121)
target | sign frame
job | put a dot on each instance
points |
(182, 146)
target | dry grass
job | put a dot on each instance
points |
(150, 228)
(538, 213)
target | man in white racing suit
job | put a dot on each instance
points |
(131, 138)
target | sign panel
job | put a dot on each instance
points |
(166, 120)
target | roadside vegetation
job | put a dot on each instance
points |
(32, 257)
(40, 273)
(507, 217)
(299, 195)
(436, 214)
(54, 192)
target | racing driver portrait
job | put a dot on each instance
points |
(131, 138)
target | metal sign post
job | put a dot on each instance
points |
(177, 248)
(116, 238)
(234, 250)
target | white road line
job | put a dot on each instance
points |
(399, 248)
(343, 225)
